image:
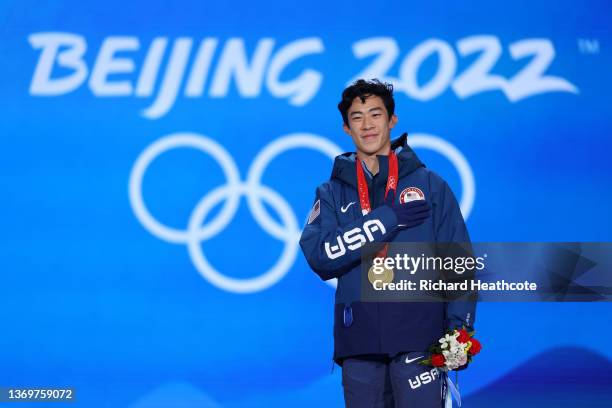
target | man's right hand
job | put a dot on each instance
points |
(410, 214)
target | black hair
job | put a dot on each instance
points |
(362, 89)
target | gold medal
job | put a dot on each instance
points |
(385, 275)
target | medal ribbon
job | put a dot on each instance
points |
(364, 195)
(362, 185)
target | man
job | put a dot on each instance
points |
(382, 193)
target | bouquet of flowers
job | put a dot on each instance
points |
(453, 351)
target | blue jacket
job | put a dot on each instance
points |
(381, 327)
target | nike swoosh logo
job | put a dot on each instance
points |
(408, 361)
(345, 208)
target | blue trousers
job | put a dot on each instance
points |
(384, 382)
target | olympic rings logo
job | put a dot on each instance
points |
(288, 231)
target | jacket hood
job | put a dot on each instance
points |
(344, 164)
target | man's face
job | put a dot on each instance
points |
(369, 125)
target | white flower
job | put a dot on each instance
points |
(447, 339)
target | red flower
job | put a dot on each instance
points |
(476, 346)
(437, 360)
(464, 336)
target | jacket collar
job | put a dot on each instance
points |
(344, 164)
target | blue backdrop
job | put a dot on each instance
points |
(159, 159)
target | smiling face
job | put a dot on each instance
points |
(370, 126)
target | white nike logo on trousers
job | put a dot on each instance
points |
(408, 361)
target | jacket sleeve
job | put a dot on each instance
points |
(331, 250)
(450, 228)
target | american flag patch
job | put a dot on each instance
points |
(314, 213)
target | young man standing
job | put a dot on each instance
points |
(384, 192)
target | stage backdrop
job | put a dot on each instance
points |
(159, 158)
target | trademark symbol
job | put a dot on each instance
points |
(588, 46)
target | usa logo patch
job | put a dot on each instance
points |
(411, 194)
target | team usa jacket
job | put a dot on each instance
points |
(386, 328)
